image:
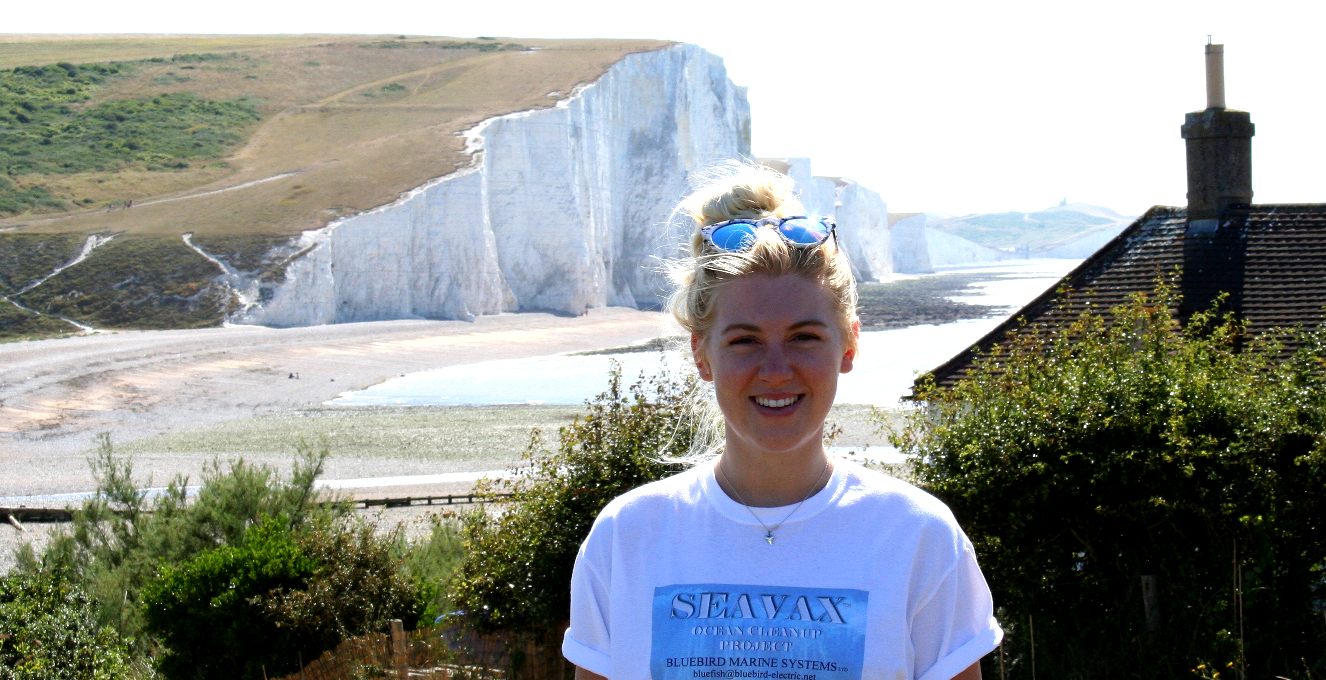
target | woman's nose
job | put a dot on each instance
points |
(775, 367)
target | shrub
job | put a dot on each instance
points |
(432, 562)
(517, 566)
(251, 574)
(209, 610)
(1145, 498)
(281, 596)
(119, 539)
(49, 631)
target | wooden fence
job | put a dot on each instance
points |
(16, 516)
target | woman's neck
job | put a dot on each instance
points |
(770, 480)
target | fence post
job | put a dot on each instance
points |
(1151, 603)
(399, 659)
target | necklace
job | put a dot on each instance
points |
(769, 530)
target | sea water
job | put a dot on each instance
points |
(887, 362)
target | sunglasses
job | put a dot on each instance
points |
(734, 236)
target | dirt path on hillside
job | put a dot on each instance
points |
(57, 395)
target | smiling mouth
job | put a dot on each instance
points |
(777, 403)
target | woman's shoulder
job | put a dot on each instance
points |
(876, 491)
(683, 488)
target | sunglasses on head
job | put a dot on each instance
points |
(800, 231)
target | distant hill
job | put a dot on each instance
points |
(241, 142)
(1061, 231)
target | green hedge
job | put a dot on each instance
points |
(1146, 499)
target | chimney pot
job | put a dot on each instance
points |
(1215, 76)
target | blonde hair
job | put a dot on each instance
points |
(737, 190)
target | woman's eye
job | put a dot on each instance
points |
(806, 337)
(742, 340)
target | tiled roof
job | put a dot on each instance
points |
(1270, 259)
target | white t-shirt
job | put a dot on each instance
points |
(869, 578)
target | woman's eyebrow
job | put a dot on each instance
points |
(752, 328)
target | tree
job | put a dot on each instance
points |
(1145, 497)
(517, 567)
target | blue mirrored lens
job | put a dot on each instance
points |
(734, 237)
(805, 231)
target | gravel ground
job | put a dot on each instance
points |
(150, 386)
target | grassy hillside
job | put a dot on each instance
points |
(241, 141)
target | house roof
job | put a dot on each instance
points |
(1269, 259)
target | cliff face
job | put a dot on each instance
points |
(862, 216)
(563, 209)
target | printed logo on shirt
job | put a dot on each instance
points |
(716, 630)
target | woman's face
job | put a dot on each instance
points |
(774, 354)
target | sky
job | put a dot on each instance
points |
(939, 106)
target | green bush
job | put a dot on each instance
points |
(49, 631)
(209, 610)
(517, 566)
(26, 258)
(252, 573)
(120, 538)
(1146, 499)
(432, 562)
(278, 598)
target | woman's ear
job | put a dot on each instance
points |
(849, 354)
(701, 364)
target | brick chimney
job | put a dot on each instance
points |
(1219, 145)
(1219, 178)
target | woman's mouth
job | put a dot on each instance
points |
(777, 403)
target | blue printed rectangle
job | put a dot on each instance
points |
(718, 630)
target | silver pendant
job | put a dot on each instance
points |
(768, 537)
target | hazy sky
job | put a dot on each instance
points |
(938, 106)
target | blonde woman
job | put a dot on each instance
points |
(771, 559)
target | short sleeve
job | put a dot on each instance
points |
(955, 626)
(587, 641)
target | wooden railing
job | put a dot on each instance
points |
(17, 516)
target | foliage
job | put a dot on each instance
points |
(26, 258)
(1131, 450)
(48, 125)
(209, 610)
(280, 596)
(136, 281)
(51, 123)
(18, 324)
(251, 572)
(48, 630)
(16, 199)
(432, 562)
(119, 538)
(518, 564)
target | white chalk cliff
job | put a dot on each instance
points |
(563, 209)
(862, 216)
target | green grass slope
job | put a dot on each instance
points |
(241, 141)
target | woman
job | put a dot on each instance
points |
(773, 560)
